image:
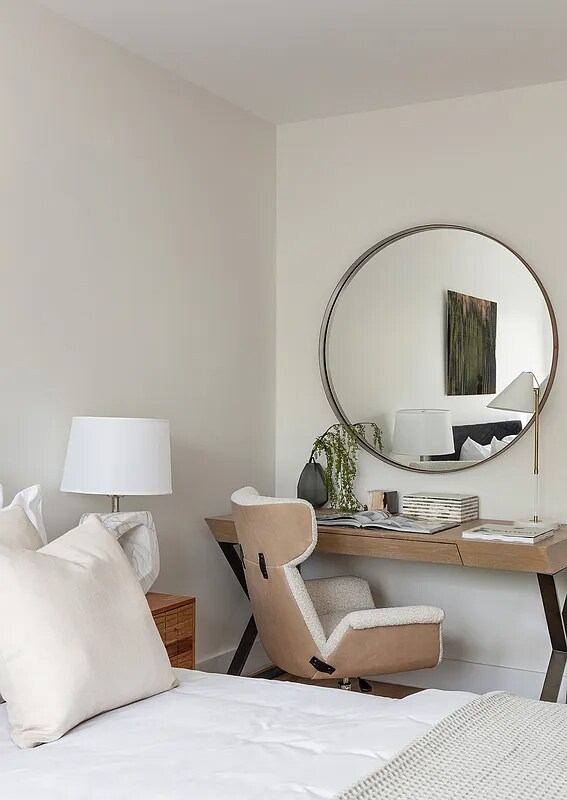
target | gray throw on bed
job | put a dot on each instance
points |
(497, 747)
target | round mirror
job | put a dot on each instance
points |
(439, 334)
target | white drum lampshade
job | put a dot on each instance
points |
(118, 456)
(423, 432)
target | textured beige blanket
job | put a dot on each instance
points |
(497, 747)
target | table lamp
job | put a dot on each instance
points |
(524, 395)
(118, 456)
(423, 432)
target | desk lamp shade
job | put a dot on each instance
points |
(118, 456)
(423, 432)
(517, 396)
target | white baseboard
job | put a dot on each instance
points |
(467, 676)
(257, 661)
(464, 676)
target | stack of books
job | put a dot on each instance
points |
(440, 505)
(509, 533)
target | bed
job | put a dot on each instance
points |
(482, 433)
(221, 737)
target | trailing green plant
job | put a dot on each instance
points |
(339, 445)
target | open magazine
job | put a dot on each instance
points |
(385, 521)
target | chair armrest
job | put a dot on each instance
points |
(343, 593)
(384, 618)
(388, 617)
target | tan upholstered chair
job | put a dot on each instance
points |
(328, 626)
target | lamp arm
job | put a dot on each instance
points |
(538, 384)
(536, 451)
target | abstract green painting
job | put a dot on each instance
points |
(471, 345)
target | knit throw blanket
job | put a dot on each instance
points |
(497, 747)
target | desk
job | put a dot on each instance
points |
(545, 560)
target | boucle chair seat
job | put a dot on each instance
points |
(326, 626)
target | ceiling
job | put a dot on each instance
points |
(290, 60)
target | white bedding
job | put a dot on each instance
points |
(217, 737)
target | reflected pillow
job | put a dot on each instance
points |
(496, 445)
(473, 451)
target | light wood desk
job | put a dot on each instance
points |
(545, 560)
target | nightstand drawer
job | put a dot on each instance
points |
(181, 653)
(177, 628)
(175, 620)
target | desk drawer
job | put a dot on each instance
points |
(353, 544)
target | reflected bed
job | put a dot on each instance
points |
(482, 433)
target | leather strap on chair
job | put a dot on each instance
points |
(320, 666)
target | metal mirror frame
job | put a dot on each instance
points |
(326, 327)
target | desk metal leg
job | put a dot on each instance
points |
(244, 647)
(230, 552)
(556, 624)
(246, 643)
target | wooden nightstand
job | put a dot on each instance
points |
(174, 616)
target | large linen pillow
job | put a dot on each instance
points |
(30, 500)
(76, 635)
(473, 451)
(16, 529)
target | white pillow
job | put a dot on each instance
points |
(76, 635)
(496, 445)
(473, 451)
(135, 531)
(31, 501)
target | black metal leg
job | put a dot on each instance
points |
(556, 620)
(246, 643)
(244, 647)
(231, 554)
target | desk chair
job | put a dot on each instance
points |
(330, 626)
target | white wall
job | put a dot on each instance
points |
(399, 299)
(136, 236)
(495, 162)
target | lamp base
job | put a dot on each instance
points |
(543, 525)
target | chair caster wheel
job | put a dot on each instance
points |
(364, 686)
(345, 683)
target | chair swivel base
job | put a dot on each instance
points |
(364, 686)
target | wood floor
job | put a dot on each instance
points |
(381, 689)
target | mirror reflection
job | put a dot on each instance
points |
(426, 337)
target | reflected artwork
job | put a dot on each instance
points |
(471, 345)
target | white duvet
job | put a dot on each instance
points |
(217, 737)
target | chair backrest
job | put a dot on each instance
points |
(276, 536)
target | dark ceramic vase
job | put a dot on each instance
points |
(311, 484)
